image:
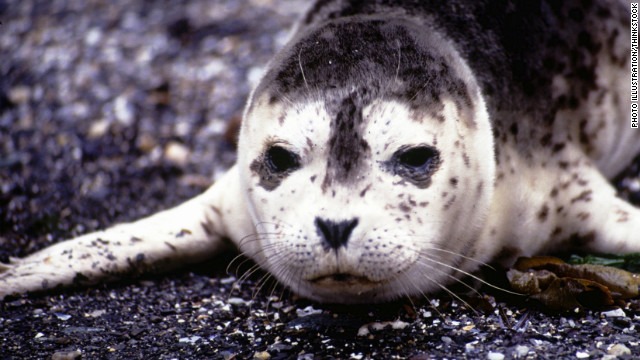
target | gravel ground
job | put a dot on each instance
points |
(113, 110)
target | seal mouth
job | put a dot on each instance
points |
(343, 279)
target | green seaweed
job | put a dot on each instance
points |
(629, 262)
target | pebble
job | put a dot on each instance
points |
(123, 110)
(63, 317)
(582, 355)
(66, 355)
(396, 325)
(614, 313)
(309, 310)
(495, 356)
(177, 153)
(237, 301)
(190, 340)
(98, 128)
(19, 94)
(521, 351)
(261, 355)
(618, 350)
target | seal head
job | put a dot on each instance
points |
(361, 159)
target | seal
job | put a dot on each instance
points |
(392, 147)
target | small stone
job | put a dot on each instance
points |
(398, 324)
(177, 153)
(190, 340)
(614, 313)
(237, 301)
(19, 94)
(309, 310)
(521, 351)
(96, 313)
(123, 110)
(98, 128)
(146, 142)
(261, 355)
(93, 37)
(470, 347)
(619, 350)
(227, 355)
(63, 317)
(66, 355)
(495, 356)
(582, 355)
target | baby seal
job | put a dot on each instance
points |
(393, 146)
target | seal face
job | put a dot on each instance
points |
(353, 149)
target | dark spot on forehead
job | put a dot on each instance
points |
(347, 148)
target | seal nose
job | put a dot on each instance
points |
(335, 234)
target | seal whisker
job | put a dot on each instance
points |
(395, 80)
(443, 287)
(423, 294)
(261, 283)
(257, 237)
(241, 255)
(274, 273)
(428, 258)
(237, 284)
(302, 70)
(285, 97)
(471, 259)
(450, 276)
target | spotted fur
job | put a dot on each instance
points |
(393, 146)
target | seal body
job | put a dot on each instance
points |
(393, 146)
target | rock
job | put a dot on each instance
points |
(495, 356)
(261, 355)
(66, 355)
(619, 350)
(177, 153)
(614, 313)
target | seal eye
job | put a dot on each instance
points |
(417, 159)
(415, 164)
(280, 160)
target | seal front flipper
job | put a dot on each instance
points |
(188, 233)
(595, 219)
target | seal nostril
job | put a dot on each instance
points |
(335, 234)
